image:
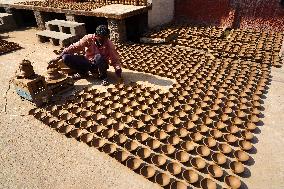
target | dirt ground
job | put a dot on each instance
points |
(34, 156)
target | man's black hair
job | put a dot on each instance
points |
(102, 30)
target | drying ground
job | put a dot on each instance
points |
(34, 156)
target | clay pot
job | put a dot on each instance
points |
(127, 119)
(168, 149)
(118, 126)
(232, 181)
(247, 135)
(190, 176)
(161, 135)
(57, 125)
(107, 111)
(182, 156)
(215, 133)
(165, 116)
(232, 129)
(245, 145)
(215, 171)
(153, 112)
(76, 133)
(112, 90)
(168, 128)
(187, 146)
(137, 124)
(130, 131)
(209, 142)
(182, 132)
(97, 117)
(141, 137)
(49, 120)
(87, 137)
(136, 113)
(143, 107)
(40, 115)
(67, 116)
(86, 113)
(237, 167)
(145, 118)
(131, 145)
(224, 148)
(162, 179)
(189, 125)
(198, 163)
(230, 138)
(174, 168)
(76, 110)
(202, 128)
(86, 124)
(50, 108)
(196, 136)
(250, 126)
(143, 153)
(173, 139)
(219, 158)
(241, 156)
(109, 148)
(97, 128)
(134, 163)
(108, 133)
(203, 151)
(207, 183)
(115, 106)
(225, 117)
(120, 139)
(87, 104)
(158, 160)
(237, 121)
(220, 125)
(153, 144)
(178, 185)
(66, 129)
(158, 122)
(59, 112)
(125, 109)
(147, 171)
(150, 128)
(175, 120)
(98, 142)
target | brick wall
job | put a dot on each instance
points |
(257, 14)
(202, 11)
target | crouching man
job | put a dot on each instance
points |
(100, 52)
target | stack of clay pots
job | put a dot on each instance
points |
(6, 46)
(59, 4)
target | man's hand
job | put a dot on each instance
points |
(53, 62)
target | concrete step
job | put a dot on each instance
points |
(56, 38)
(7, 22)
(69, 27)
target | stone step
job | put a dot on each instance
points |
(7, 22)
(69, 27)
(56, 38)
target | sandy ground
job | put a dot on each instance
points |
(34, 156)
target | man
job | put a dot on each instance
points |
(99, 54)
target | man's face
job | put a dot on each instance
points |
(101, 38)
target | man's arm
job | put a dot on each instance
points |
(78, 46)
(115, 59)
(73, 48)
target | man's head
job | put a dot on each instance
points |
(102, 33)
